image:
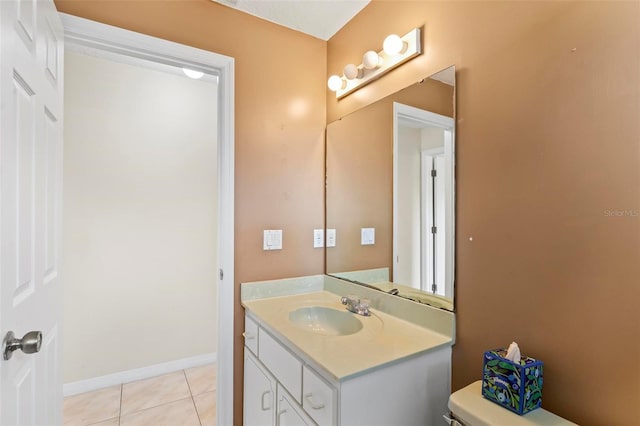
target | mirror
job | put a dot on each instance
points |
(390, 193)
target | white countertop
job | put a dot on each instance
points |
(383, 338)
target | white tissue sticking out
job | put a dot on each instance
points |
(513, 353)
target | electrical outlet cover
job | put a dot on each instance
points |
(331, 237)
(367, 236)
(318, 238)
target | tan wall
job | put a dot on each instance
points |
(360, 176)
(547, 147)
(547, 143)
(280, 120)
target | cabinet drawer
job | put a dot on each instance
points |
(283, 364)
(251, 335)
(319, 399)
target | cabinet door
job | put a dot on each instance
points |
(289, 413)
(259, 393)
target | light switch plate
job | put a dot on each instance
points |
(331, 237)
(272, 239)
(367, 236)
(318, 238)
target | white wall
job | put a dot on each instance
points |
(432, 137)
(140, 217)
(408, 220)
(411, 143)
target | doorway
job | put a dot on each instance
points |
(114, 44)
(139, 226)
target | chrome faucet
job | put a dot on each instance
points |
(355, 305)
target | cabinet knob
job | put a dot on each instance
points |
(262, 405)
(313, 405)
(280, 413)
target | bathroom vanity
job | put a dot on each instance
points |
(308, 361)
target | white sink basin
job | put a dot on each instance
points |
(326, 321)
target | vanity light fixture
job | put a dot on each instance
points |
(396, 51)
(351, 71)
(336, 83)
(371, 60)
(393, 45)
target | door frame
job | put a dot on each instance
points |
(426, 204)
(83, 35)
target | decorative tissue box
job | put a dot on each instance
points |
(517, 387)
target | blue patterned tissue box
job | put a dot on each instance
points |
(517, 387)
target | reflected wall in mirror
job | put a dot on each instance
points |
(390, 167)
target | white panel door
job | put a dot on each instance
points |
(428, 222)
(440, 216)
(31, 94)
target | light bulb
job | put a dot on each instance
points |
(336, 83)
(393, 45)
(351, 71)
(371, 60)
(192, 73)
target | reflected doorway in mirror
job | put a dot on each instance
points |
(423, 199)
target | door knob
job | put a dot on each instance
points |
(29, 344)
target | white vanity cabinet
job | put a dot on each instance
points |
(411, 391)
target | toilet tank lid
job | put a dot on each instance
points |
(473, 409)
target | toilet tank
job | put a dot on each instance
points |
(469, 408)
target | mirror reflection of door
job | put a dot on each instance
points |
(432, 216)
(423, 217)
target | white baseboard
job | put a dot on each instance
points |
(100, 382)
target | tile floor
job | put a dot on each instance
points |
(183, 398)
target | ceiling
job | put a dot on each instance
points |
(319, 18)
